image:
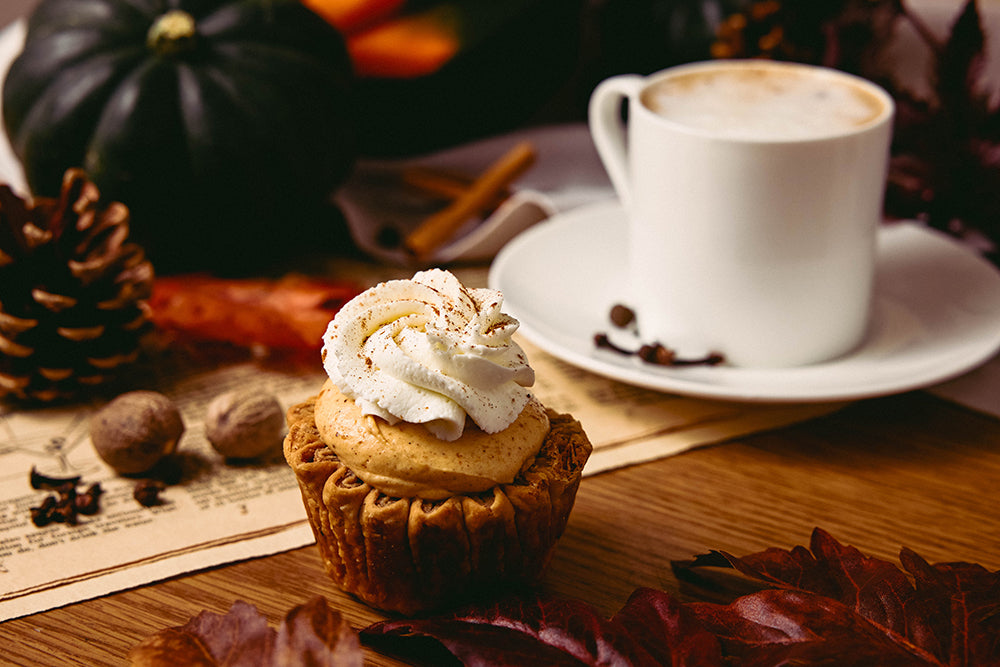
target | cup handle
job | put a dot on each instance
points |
(608, 128)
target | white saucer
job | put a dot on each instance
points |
(936, 314)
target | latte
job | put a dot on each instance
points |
(752, 100)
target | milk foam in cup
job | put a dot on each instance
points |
(753, 193)
(763, 103)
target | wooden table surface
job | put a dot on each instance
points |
(909, 470)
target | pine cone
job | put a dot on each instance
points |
(72, 292)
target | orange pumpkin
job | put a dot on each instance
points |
(352, 15)
(385, 42)
(434, 73)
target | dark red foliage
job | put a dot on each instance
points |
(520, 631)
(948, 613)
(827, 604)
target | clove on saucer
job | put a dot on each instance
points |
(622, 317)
(658, 354)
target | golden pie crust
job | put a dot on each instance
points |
(411, 555)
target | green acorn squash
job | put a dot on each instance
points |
(224, 125)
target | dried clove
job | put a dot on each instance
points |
(622, 316)
(710, 359)
(41, 481)
(65, 503)
(88, 502)
(658, 354)
(602, 341)
(65, 512)
(147, 492)
(41, 516)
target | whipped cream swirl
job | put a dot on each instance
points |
(429, 351)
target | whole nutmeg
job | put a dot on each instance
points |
(135, 430)
(244, 424)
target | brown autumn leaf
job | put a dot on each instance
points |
(311, 634)
(668, 631)
(828, 604)
(941, 614)
(515, 631)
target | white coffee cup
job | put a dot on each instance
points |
(753, 192)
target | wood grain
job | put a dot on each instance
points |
(910, 470)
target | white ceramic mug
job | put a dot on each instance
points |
(753, 192)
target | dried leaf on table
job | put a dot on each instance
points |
(311, 634)
(667, 630)
(289, 313)
(314, 634)
(517, 631)
(831, 595)
(828, 604)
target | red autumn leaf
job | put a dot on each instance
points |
(943, 614)
(873, 587)
(786, 627)
(290, 313)
(961, 602)
(311, 634)
(825, 605)
(517, 631)
(668, 631)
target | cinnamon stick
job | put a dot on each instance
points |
(438, 228)
(438, 183)
(445, 185)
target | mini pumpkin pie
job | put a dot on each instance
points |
(429, 472)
